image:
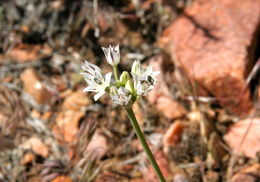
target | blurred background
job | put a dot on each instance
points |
(201, 121)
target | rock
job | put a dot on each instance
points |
(213, 43)
(248, 174)
(160, 95)
(246, 131)
(33, 86)
(173, 135)
(169, 107)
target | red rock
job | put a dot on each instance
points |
(160, 95)
(169, 107)
(210, 42)
(247, 174)
(247, 131)
(172, 135)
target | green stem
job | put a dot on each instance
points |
(115, 72)
(141, 137)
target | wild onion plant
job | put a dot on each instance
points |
(124, 91)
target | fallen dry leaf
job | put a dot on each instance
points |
(28, 158)
(67, 123)
(251, 143)
(67, 120)
(62, 179)
(173, 135)
(76, 101)
(27, 52)
(33, 86)
(36, 145)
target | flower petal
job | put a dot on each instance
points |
(112, 54)
(90, 89)
(108, 78)
(98, 95)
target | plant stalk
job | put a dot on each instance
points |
(115, 72)
(146, 148)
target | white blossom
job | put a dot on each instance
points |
(121, 96)
(95, 80)
(112, 54)
(144, 79)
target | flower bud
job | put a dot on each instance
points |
(112, 54)
(136, 68)
(130, 86)
(124, 77)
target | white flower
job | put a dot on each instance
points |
(121, 96)
(112, 54)
(95, 80)
(144, 79)
(136, 68)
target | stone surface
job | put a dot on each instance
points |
(247, 132)
(173, 135)
(160, 96)
(212, 41)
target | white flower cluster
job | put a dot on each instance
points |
(125, 90)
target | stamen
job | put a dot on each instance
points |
(97, 81)
(150, 79)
